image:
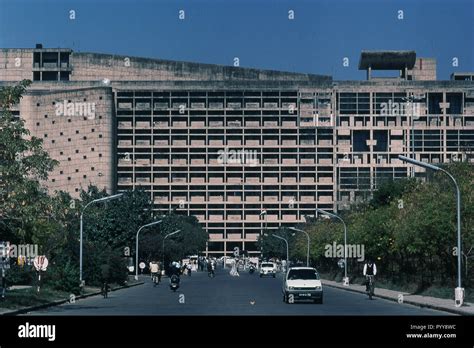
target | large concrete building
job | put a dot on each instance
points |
(241, 149)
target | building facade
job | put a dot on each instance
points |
(244, 150)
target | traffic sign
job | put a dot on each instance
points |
(142, 265)
(40, 263)
(340, 263)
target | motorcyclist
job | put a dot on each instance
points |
(154, 269)
(175, 272)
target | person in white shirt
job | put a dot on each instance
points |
(370, 269)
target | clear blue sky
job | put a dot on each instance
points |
(257, 31)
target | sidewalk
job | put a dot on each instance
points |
(417, 300)
(5, 311)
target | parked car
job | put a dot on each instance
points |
(302, 283)
(268, 269)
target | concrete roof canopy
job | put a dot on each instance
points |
(387, 60)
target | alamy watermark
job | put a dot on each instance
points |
(29, 251)
(400, 109)
(243, 156)
(352, 251)
(81, 109)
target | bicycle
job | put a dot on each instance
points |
(370, 287)
(105, 290)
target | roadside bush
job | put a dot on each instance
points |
(64, 277)
(20, 275)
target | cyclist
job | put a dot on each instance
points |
(105, 275)
(370, 269)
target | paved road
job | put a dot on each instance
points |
(226, 295)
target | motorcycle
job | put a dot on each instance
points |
(174, 282)
(251, 269)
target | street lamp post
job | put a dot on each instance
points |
(163, 247)
(264, 212)
(459, 291)
(100, 200)
(136, 245)
(307, 237)
(324, 212)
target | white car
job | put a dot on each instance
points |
(267, 268)
(302, 283)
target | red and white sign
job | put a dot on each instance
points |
(40, 263)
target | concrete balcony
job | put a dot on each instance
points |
(252, 199)
(325, 199)
(216, 180)
(252, 105)
(142, 162)
(234, 236)
(233, 199)
(325, 180)
(143, 125)
(289, 217)
(270, 124)
(234, 106)
(215, 236)
(197, 180)
(161, 161)
(197, 199)
(252, 180)
(215, 199)
(252, 124)
(305, 180)
(270, 105)
(161, 181)
(288, 180)
(161, 199)
(270, 180)
(125, 143)
(198, 124)
(141, 180)
(124, 124)
(214, 124)
(216, 105)
(161, 105)
(125, 181)
(198, 105)
(179, 124)
(124, 106)
(124, 162)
